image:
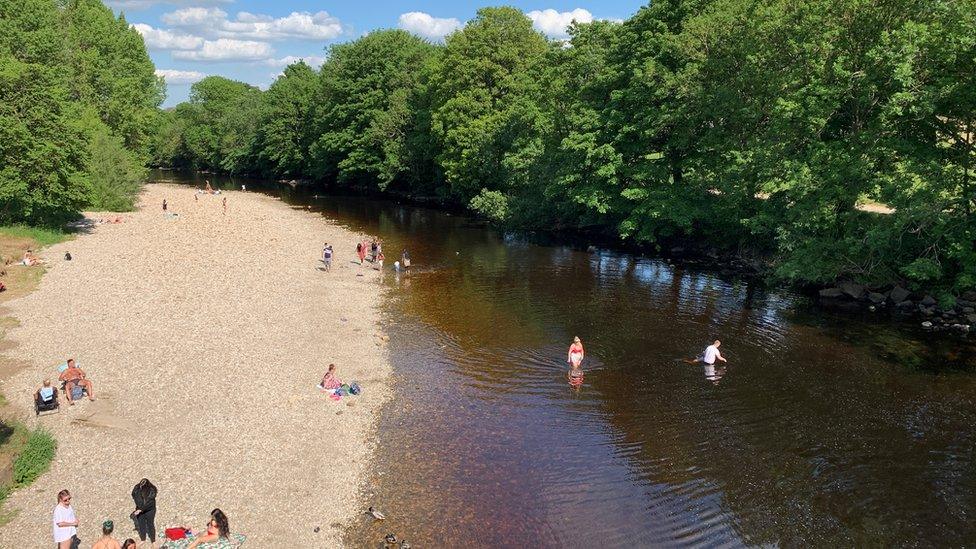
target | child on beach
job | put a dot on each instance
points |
(327, 257)
(379, 259)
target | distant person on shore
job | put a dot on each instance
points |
(30, 259)
(144, 517)
(209, 188)
(372, 250)
(64, 521)
(379, 259)
(107, 541)
(361, 252)
(329, 380)
(405, 259)
(164, 204)
(75, 376)
(327, 256)
(243, 189)
(217, 528)
(225, 205)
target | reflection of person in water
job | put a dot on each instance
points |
(713, 374)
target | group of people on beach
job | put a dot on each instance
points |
(373, 249)
(65, 523)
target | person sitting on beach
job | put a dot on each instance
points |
(329, 380)
(129, 543)
(209, 188)
(75, 376)
(107, 541)
(46, 393)
(217, 528)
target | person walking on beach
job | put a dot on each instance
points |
(164, 204)
(327, 257)
(225, 205)
(144, 517)
(107, 541)
(64, 522)
(361, 251)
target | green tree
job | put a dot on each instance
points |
(285, 130)
(364, 115)
(484, 115)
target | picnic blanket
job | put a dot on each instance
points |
(236, 540)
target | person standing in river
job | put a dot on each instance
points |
(144, 496)
(575, 354)
(405, 259)
(712, 354)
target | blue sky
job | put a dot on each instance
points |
(253, 40)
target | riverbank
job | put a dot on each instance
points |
(204, 336)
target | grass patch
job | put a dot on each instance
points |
(41, 237)
(28, 454)
(35, 458)
(14, 241)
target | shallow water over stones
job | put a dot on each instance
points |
(823, 428)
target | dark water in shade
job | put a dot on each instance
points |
(822, 430)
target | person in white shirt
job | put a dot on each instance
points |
(65, 523)
(712, 354)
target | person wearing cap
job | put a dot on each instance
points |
(107, 541)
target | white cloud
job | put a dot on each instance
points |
(226, 49)
(161, 39)
(173, 76)
(554, 23)
(314, 61)
(428, 26)
(297, 25)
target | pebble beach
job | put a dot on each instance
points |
(204, 335)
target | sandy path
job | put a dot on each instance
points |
(204, 337)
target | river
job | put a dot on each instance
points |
(822, 429)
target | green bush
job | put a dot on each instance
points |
(490, 204)
(35, 458)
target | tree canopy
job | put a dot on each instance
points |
(773, 129)
(78, 97)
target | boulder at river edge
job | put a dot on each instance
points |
(898, 294)
(852, 289)
(831, 293)
(876, 298)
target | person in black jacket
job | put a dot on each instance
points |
(144, 495)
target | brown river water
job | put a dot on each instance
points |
(823, 429)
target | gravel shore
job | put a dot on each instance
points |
(204, 337)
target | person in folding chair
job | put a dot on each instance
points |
(45, 398)
(75, 377)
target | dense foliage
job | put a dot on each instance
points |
(759, 128)
(78, 99)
